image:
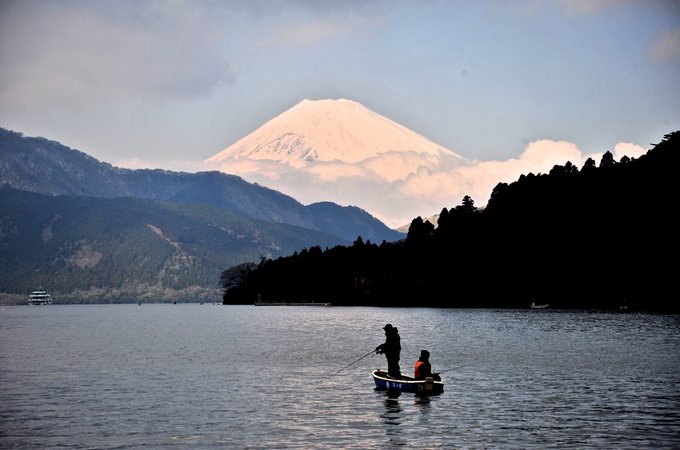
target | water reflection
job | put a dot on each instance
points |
(422, 404)
(393, 410)
(423, 401)
(392, 416)
(401, 412)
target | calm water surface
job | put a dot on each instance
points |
(213, 376)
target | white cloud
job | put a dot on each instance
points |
(546, 153)
(393, 166)
(177, 165)
(627, 149)
(329, 171)
(424, 191)
(667, 47)
(83, 56)
(131, 163)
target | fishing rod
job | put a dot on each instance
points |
(338, 371)
(454, 368)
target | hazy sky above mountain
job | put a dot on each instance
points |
(170, 83)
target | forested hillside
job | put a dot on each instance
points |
(87, 249)
(602, 236)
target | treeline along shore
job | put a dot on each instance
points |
(602, 236)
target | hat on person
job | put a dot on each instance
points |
(387, 327)
(424, 354)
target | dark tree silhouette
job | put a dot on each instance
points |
(595, 238)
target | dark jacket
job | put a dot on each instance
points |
(392, 345)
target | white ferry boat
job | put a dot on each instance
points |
(39, 297)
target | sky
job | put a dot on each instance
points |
(169, 83)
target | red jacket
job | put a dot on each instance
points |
(423, 370)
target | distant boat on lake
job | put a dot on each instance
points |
(542, 306)
(39, 297)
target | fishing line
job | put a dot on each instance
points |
(338, 371)
(454, 368)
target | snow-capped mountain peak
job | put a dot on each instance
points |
(325, 131)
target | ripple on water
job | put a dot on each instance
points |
(192, 376)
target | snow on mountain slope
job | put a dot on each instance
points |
(328, 130)
(341, 151)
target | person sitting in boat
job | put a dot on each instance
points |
(391, 348)
(424, 368)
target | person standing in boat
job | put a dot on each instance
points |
(424, 368)
(391, 348)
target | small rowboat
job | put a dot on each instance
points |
(384, 382)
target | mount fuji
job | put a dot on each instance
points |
(329, 130)
(340, 151)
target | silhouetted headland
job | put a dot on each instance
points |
(602, 236)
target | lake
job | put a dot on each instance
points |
(212, 376)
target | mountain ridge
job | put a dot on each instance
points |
(49, 167)
(90, 232)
